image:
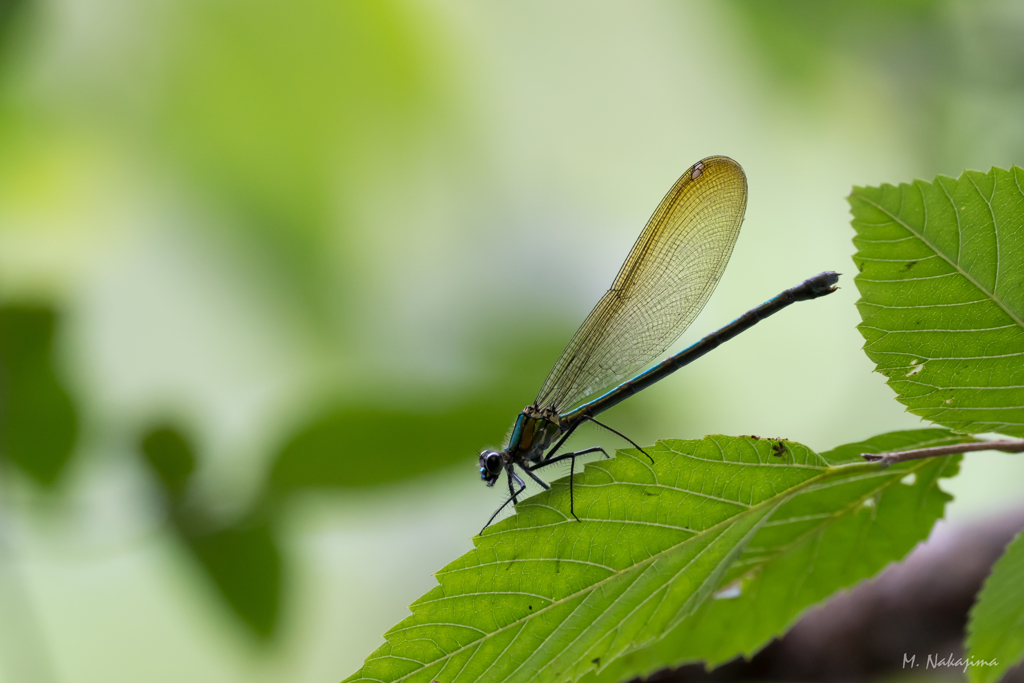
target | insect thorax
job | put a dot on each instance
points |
(535, 431)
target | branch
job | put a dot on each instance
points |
(892, 458)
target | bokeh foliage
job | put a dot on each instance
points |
(276, 119)
(38, 421)
(938, 63)
(241, 557)
(286, 112)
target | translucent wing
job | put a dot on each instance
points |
(667, 278)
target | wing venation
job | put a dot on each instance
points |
(667, 278)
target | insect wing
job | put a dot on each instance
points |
(667, 278)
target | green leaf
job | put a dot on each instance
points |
(544, 598)
(801, 42)
(942, 296)
(330, 450)
(10, 12)
(819, 542)
(995, 631)
(241, 558)
(171, 458)
(244, 563)
(38, 423)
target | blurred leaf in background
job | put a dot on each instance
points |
(241, 557)
(947, 75)
(244, 562)
(38, 422)
(9, 10)
(282, 124)
(361, 446)
(803, 41)
(171, 459)
(287, 112)
(350, 444)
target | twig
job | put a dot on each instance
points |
(919, 453)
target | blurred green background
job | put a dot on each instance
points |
(272, 273)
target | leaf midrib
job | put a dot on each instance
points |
(990, 295)
(832, 516)
(757, 564)
(824, 475)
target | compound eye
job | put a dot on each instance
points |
(493, 463)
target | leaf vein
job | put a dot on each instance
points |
(956, 264)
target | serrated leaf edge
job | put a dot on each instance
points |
(765, 508)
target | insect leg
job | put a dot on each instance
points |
(512, 498)
(572, 470)
(613, 431)
(511, 491)
(566, 456)
(536, 478)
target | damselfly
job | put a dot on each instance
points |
(667, 278)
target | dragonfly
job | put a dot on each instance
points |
(668, 276)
